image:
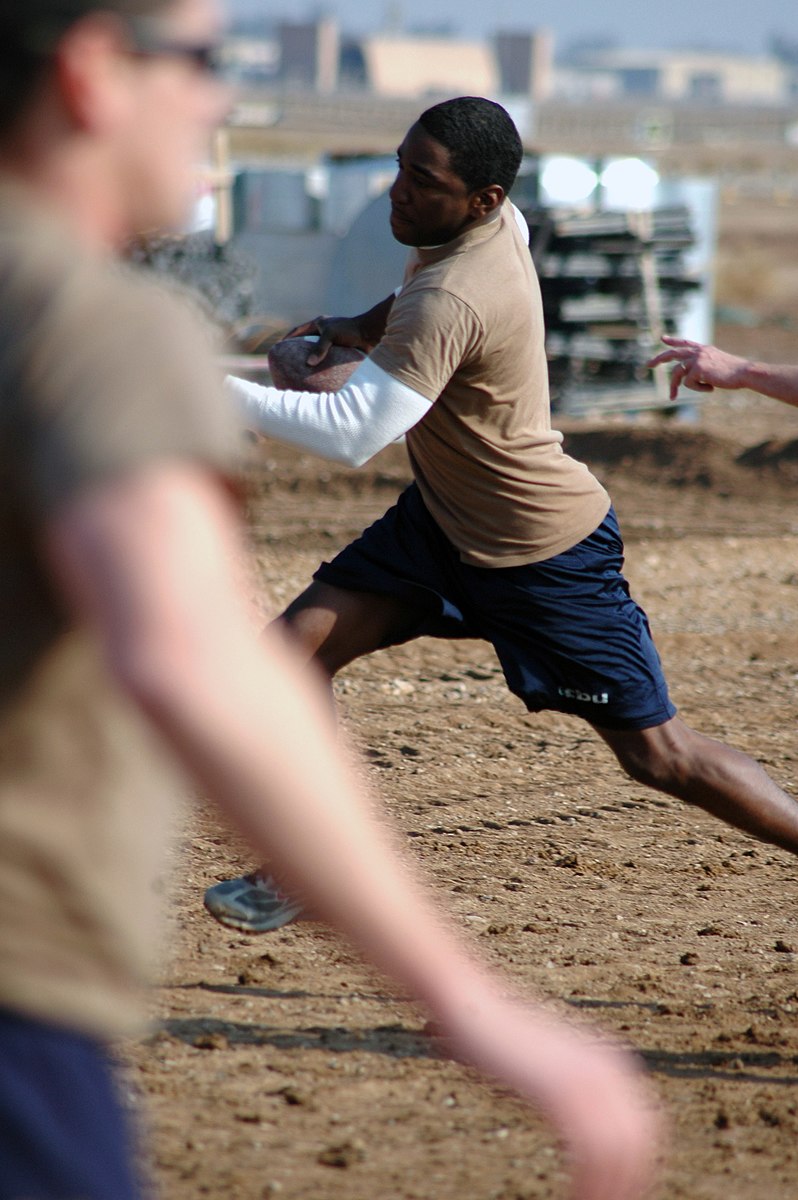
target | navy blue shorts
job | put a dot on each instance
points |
(63, 1133)
(567, 633)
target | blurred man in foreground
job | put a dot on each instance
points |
(128, 650)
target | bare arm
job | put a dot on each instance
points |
(703, 368)
(150, 562)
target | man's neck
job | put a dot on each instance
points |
(67, 184)
(488, 219)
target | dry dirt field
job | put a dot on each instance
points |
(283, 1067)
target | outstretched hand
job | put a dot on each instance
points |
(699, 367)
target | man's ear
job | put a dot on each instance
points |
(487, 200)
(89, 71)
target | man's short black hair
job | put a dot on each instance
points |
(29, 32)
(483, 143)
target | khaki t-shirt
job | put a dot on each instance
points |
(100, 374)
(466, 331)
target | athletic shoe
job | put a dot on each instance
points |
(252, 903)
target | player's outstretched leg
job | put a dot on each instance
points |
(726, 783)
(330, 627)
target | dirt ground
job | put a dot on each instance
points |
(283, 1067)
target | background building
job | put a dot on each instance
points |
(309, 54)
(676, 77)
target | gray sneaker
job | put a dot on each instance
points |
(252, 903)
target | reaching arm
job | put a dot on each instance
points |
(349, 426)
(151, 563)
(703, 368)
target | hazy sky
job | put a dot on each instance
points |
(740, 25)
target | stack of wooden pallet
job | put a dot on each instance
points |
(612, 284)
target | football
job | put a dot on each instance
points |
(288, 364)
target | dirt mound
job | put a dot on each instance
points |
(780, 457)
(664, 456)
(667, 455)
(684, 457)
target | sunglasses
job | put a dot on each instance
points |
(205, 56)
(41, 38)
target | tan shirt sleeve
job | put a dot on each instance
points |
(430, 334)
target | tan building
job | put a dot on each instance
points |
(398, 65)
(702, 78)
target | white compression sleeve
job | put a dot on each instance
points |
(349, 426)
